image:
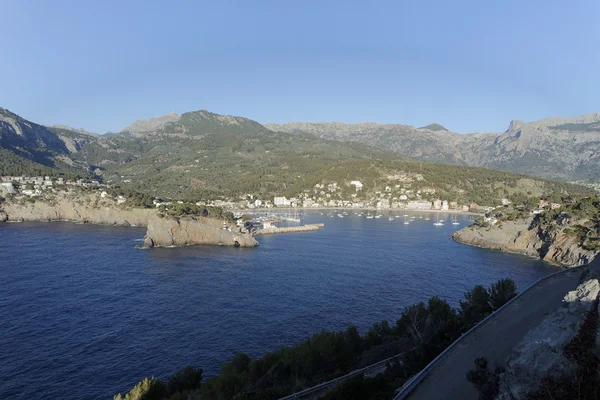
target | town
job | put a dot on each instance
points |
(348, 194)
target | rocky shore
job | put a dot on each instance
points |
(168, 232)
(165, 232)
(556, 245)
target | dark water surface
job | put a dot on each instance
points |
(84, 315)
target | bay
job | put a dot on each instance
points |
(84, 314)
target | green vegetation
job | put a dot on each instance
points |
(464, 185)
(178, 387)
(422, 332)
(190, 209)
(584, 213)
(13, 164)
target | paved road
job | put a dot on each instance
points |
(494, 340)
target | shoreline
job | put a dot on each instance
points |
(511, 251)
(382, 210)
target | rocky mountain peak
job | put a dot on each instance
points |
(435, 127)
(151, 124)
(515, 125)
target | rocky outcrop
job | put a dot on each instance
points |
(166, 232)
(556, 246)
(541, 353)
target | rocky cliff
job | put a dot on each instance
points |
(93, 209)
(166, 232)
(553, 245)
(87, 209)
(547, 351)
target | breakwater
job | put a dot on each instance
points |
(289, 229)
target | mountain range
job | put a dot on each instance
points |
(559, 148)
(210, 154)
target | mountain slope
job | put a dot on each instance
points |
(565, 148)
(36, 146)
(210, 154)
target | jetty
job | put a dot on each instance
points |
(288, 229)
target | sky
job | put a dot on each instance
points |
(470, 65)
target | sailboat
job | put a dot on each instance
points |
(406, 221)
(391, 218)
(437, 222)
(295, 218)
(455, 221)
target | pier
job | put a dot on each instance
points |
(288, 229)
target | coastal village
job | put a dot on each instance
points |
(322, 195)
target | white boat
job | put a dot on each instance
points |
(340, 215)
(405, 215)
(391, 218)
(369, 216)
(438, 221)
(378, 216)
(455, 221)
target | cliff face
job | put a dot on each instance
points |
(87, 209)
(188, 231)
(556, 246)
(95, 210)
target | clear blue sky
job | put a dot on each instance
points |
(470, 65)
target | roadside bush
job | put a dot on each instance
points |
(487, 382)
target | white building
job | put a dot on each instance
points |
(419, 205)
(357, 184)
(281, 201)
(445, 205)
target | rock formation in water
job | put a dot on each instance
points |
(165, 232)
(554, 245)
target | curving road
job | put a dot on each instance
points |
(495, 339)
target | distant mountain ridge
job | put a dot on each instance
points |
(564, 148)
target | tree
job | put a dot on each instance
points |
(501, 292)
(476, 305)
(186, 379)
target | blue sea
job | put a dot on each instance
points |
(84, 314)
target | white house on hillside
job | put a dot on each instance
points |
(357, 184)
